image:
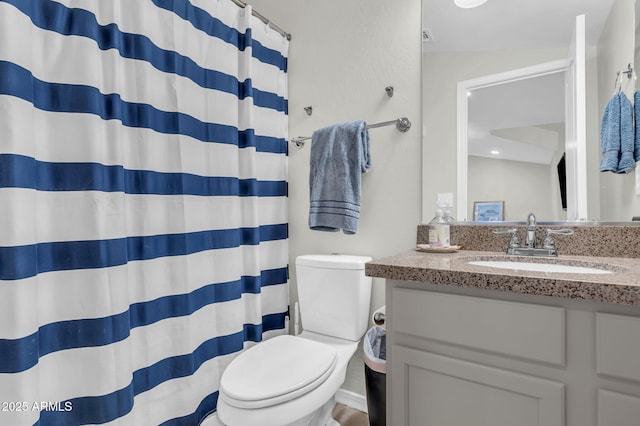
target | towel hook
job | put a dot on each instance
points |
(308, 110)
(617, 85)
(389, 90)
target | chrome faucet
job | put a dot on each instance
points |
(530, 247)
(530, 241)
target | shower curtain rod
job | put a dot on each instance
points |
(276, 28)
(402, 124)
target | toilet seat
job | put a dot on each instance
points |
(275, 371)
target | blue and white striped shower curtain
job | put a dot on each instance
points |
(143, 205)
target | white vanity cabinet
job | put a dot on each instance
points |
(476, 357)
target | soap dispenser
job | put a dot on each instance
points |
(439, 230)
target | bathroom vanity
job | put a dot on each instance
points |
(470, 344)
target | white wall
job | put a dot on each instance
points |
(524, 187)
(342, 55)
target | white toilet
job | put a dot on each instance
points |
(292, 380)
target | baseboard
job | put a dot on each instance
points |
(352, 399)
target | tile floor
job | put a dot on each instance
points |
(348, 416)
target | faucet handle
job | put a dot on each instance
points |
(548, 242)
(513, 241)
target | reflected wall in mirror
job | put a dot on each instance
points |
(461, 50)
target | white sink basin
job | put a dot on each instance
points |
(539, 267)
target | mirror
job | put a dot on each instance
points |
(512, 138)
(460, 50)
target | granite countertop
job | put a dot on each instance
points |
(622, 286)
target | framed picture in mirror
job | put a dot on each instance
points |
(488, 211)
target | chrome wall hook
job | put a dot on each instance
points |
(389, 90)
(308, 110)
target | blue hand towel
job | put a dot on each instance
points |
(626, 161)
(636, 110)
(617, 138)
(339, 156)
(610, 135)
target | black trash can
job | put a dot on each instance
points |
(375, 374)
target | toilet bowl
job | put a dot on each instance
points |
(292, 380)
(292, 392)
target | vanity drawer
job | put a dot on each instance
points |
(521, 330)
(618, 345)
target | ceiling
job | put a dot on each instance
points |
(507, 24)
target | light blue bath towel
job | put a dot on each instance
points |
(339, 156)
(636, 111)
(617, 137)
(610, 135)
(627, 137)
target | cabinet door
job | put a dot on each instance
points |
(617, 409)
(618, 346)
(435, 390)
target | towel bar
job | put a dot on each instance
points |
(402, 124)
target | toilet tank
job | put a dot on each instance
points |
(334, 295)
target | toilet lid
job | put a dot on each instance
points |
(276, 370)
